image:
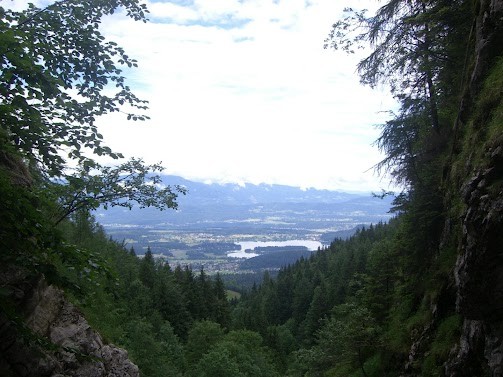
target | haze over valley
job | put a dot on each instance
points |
(222, 226)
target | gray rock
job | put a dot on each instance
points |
(78, 350)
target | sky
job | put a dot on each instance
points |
(243, 91)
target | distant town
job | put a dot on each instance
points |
(231, 228)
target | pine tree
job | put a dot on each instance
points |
(147, 269)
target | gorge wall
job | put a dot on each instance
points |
(477, 173)
(51, 336)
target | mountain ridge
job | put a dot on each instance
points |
(250, 193)
(206, 205)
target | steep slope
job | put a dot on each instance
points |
(424, 297)
(371, 306)
(477, 174)
(473, 206)
(55, 338)
(41, 332)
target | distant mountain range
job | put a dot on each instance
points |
(235, 194)
(228, 206)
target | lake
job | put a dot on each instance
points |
(251, 245)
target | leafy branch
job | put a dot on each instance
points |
(55, 66)
(132, 182)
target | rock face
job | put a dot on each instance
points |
(479, 267)
(72, 349)
(479, 273)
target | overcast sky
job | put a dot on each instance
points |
(243, 91)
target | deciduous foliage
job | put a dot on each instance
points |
(142, 305)
(355, 308)
(55, 67)
(238, 353)
(350, 336)
(57, 75)
(94, 185)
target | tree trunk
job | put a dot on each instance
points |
(360, 361)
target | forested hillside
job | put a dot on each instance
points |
(422, 294)
(418, 296)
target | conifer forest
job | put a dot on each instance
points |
(418, 295)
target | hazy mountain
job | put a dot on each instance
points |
(235, 194)
(231, 205)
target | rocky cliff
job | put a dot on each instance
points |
(473, 187)
(478, 175)
(50, 337)
(479, 274)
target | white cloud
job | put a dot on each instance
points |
(243, 91)
(174, 12)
